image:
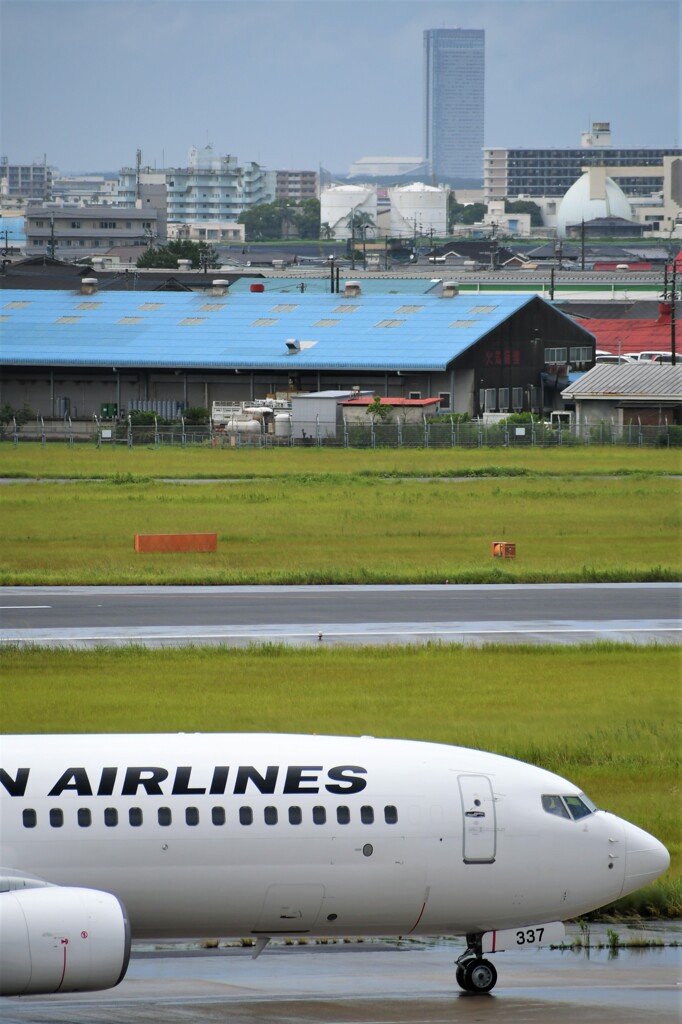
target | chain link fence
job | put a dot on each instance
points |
(440, 434)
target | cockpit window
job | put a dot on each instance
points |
(575, 807)
(555, 805)
(579, 806)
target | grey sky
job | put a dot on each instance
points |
(299, 83)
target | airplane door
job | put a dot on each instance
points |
(289, 909)
(478, 809)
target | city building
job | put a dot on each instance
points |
(213, 232)
(25, 181)
(387, 167)
(454, 79)
(210, 188)
(72, 232)
(294, 185)
(531, 173)
(84, 188)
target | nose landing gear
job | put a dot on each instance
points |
(472, 972)
(476, 975)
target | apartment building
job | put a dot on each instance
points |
(210, 188)
(26, 181)
(69, 232)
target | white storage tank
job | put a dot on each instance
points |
(338, 204)
(419, 209)
(242, 426)
(282, 424)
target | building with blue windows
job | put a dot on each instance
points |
(454, 79)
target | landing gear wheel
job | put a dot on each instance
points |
(477, 976)
(459, 976)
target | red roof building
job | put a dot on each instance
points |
(630, 337)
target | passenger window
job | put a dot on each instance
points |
(342, 815)
(245, 816)
(295, 816)
(135, 816)
(319, 815)
(391, 814)
(270, 815)
(84, 817)
(577, 807)
(555, 805)
(56, 817)
(192, 815)
(30, 818)
(110, 816)
(367, 815)
(164, 815)
(218, 815)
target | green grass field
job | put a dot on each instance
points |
(604, 716)
(58, 460)
(331, 529)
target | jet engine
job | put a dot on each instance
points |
(55, 939)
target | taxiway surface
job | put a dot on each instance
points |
(332, 985)
(338, 615)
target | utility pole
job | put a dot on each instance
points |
(352, 238)
(52, 244)
(671, 300)
(582, 244)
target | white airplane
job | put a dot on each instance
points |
(104, 838)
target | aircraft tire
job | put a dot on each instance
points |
(478, 976)
(459, 977)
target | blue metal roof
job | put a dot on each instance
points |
(191, 330)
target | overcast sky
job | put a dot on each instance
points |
(304, 83)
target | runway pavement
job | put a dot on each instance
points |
(374, 985)
(335, 615)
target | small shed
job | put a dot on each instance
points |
(646, 393)
(319, 413)
(409, 410)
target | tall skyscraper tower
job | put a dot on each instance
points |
(454, 74)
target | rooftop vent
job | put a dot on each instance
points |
(184, 264)
(293, 346)
(88, 285)
(450, 290)
(220, 286)
(351, 289)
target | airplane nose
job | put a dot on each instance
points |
(645, 858)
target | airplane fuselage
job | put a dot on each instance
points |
(238, 835)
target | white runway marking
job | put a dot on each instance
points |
(22, 607)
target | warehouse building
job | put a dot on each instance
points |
(70, 352)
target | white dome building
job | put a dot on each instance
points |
(592, 197)
(341, 202)
(419, 209)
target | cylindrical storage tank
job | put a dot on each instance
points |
(282, 424)
(257, 287)
(338, 204)
(248, 426)
(419, 209)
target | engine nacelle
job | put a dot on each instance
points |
(55, 939)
